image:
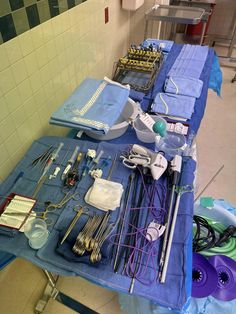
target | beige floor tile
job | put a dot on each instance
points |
(85, 292)
(216, 142)
(19, 279)
(55, 307)
(111, 307)
(35, 296)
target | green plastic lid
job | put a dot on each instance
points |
(207, 201)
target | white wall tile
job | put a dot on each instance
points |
(4, 154)
(7, 127)
(19, 71)
(19, 116)
(6, 80)
(5, 169)
(35, 81)
(13, 99)
(4, 61)
(29, 106)
(25, 90)
(38, 36)
(25, 133)
(41, 56)
(13, 143)
(39, 98)
(26, 43)
(4, 111)
(13, 50)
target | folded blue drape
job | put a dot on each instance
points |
(190, 61)
(94, 105)
(174, 105)
(187, 86)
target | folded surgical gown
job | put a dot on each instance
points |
(187, 86)
(94, 105)
(174, 105)
(190, 61)
(183, 77)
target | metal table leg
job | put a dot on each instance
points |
(51, 292)
(233, 79)
(146, 30)
(203, 32)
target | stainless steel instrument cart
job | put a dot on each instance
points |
(176, 15)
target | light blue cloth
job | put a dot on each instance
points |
(209, 305)
(174, 105)
(164, 45)
(190, 61)
(216, 76)
(94, 105)
(187, 86)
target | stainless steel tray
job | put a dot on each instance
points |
(175, 14)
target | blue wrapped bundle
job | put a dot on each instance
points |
(174, 105)
(95, 105)
(187, 86)
(190, 62)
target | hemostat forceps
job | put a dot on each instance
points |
(50, 207)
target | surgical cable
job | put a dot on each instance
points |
(228, 247)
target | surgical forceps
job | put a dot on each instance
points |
(79, 211)
(50, 207)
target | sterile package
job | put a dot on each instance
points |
(95, 105)
(104, 194)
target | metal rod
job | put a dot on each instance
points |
(132, 175)
(172, 229)
(165, 241)
(39, 185)
(212, 179)
(112, 168)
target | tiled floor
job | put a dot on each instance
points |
(22, 283)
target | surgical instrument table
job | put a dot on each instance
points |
(10, 244)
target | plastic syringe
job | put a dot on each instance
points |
(70, 163)
(51, 160)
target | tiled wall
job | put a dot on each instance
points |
(40, 68)
(18, 16)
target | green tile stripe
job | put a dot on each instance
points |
(18, 16)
